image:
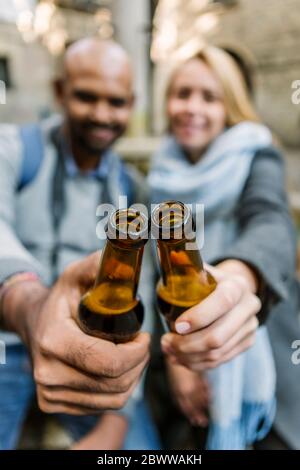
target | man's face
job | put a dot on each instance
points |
(97, 100)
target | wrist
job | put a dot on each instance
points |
(237, 267)
(20, 302)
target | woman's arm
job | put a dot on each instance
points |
(267, 241)
(261, 262)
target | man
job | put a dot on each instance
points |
(47, 221)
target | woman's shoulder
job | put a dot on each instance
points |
(266, 177)
(268, 161)
(271, 152)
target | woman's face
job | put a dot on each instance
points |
(195, 107)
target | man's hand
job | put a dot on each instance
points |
(221, 326)
(75, 373)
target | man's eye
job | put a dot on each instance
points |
(118, 102)
(85, 97)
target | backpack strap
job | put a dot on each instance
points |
(126, 184)
(33, 153)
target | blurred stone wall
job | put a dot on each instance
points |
(32, 67)
(265, 33)
(270, 31)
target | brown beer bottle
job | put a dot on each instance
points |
(184, 282)
(111, 310)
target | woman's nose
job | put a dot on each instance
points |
(195, 104)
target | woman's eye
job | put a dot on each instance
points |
(210, 97)
(183, 94)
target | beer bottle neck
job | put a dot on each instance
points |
(176, 260)
(184, 281)
(120, 266)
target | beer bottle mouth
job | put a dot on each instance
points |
(172, 219)
(128, 224)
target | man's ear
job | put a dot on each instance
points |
(58, 88)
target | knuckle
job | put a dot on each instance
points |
(256, 303)
(214, 355)
(251, 341)
(211, 364)
(198, 367)
(215, 341)
(119, 401)
(48, 395)
(126, 384)
(93, 403)
(228, 294)
(240, 282)
(43, 404)
(255, 323)
(45, 344)
(248, 343)
(41, 375)
(181, 347)
(121, 385)
(114, 369)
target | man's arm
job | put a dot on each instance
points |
(14, 257)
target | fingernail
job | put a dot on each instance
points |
(182, 327)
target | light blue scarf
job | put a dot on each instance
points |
(243, 405)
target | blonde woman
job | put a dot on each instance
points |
(219, 154)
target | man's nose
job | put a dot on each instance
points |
(102, 112)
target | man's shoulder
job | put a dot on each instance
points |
(9, 131)
(10, 144)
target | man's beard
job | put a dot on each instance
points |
(81, 138)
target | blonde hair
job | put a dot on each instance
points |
(237, 100)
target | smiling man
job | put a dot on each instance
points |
(97, 96)
(53, 177)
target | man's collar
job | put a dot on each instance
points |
(72, 169)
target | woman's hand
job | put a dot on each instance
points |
(191, 393)
(221, 326)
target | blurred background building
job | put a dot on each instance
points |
(34, 33)
(263, 35)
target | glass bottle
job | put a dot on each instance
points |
(111, 310)
(184, 282)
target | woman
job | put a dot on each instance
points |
(218, 154)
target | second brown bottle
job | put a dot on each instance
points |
(184, 281)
